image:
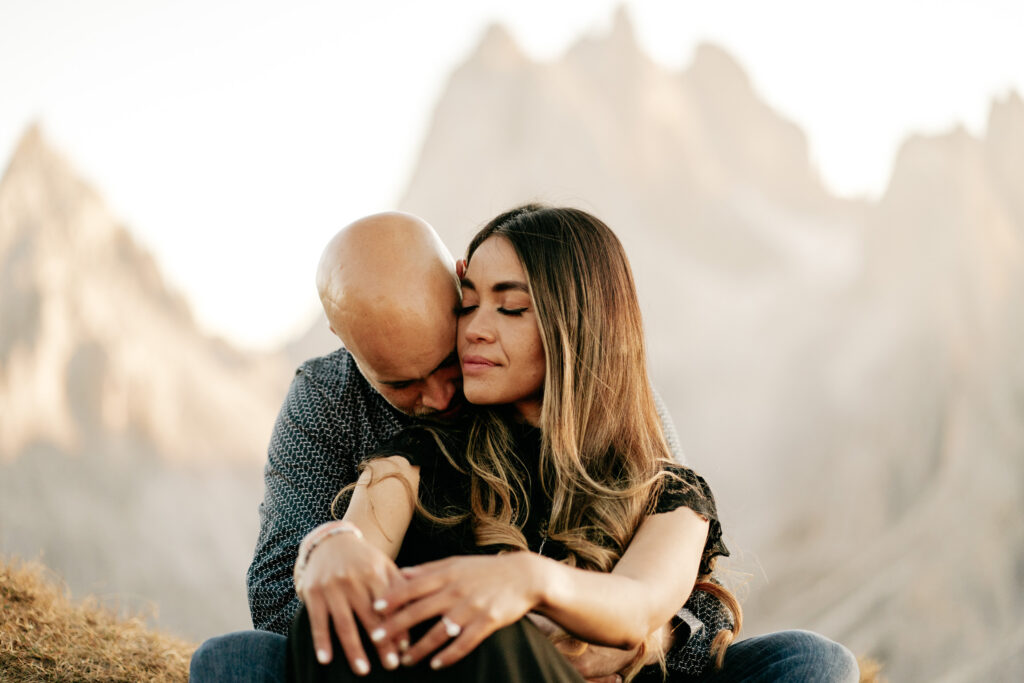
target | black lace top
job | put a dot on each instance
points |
(444, 489)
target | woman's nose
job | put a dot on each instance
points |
(477, 328)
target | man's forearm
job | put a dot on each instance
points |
(272, 601)
(594, 661)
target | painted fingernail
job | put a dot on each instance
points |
(407, 660)
(435, 663)
(391, 661)
(362, 668)
(322, 656)
(403, 644)
(380, 604)
(378, 634)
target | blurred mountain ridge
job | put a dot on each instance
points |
(846, 373)
(129, 441)
(97, 345)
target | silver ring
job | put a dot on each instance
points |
(450, 627)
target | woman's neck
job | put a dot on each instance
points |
(529, 411)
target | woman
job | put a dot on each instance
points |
(563, 470)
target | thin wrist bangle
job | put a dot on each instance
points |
(314, 539)
(317, 535)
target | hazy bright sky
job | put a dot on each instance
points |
(234, 138)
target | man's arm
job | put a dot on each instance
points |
(306, 466)
(668, 428)
(599, 663)
(686, 658)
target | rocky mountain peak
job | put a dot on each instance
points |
(95, 347)
(498, 49)
(622, 36)
(40, 182)
(1004, 147)
(1006, 117)
(758, 148)
(30, 145)
(923, 160)
(54, 219)
(602, 119)
(713, 67)
(615, 53)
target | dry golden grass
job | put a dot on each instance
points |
(46, 637)
(870, 670)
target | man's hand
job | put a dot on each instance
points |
(599, 663)
(346, 575)
(596, 663)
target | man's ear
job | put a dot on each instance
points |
(460, 268)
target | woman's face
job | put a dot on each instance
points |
(499, 340)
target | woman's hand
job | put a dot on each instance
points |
(474, 596)
(347, 575)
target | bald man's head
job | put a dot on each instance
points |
(389, 289)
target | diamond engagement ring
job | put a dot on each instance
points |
(450, 627)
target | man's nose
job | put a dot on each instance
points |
(438, 393)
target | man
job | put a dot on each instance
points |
(389, 289)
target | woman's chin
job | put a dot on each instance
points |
(481, 396)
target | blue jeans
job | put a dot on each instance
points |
(240, 657)
(786, 656)
(259, 657)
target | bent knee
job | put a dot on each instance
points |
(813, 652)
(511, 638)
(517, 652)
(242, 656)
(209, 658)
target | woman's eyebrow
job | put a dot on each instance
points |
(499, 286)
(511, 285)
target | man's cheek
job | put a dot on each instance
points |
(403, 400)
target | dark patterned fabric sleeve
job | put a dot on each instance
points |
(695, 627)
(298, 448)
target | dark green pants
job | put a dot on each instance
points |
(519, 652)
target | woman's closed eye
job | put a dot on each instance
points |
(512, 312)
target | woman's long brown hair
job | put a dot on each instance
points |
(602, 445)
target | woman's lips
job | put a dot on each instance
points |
(474, 364)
